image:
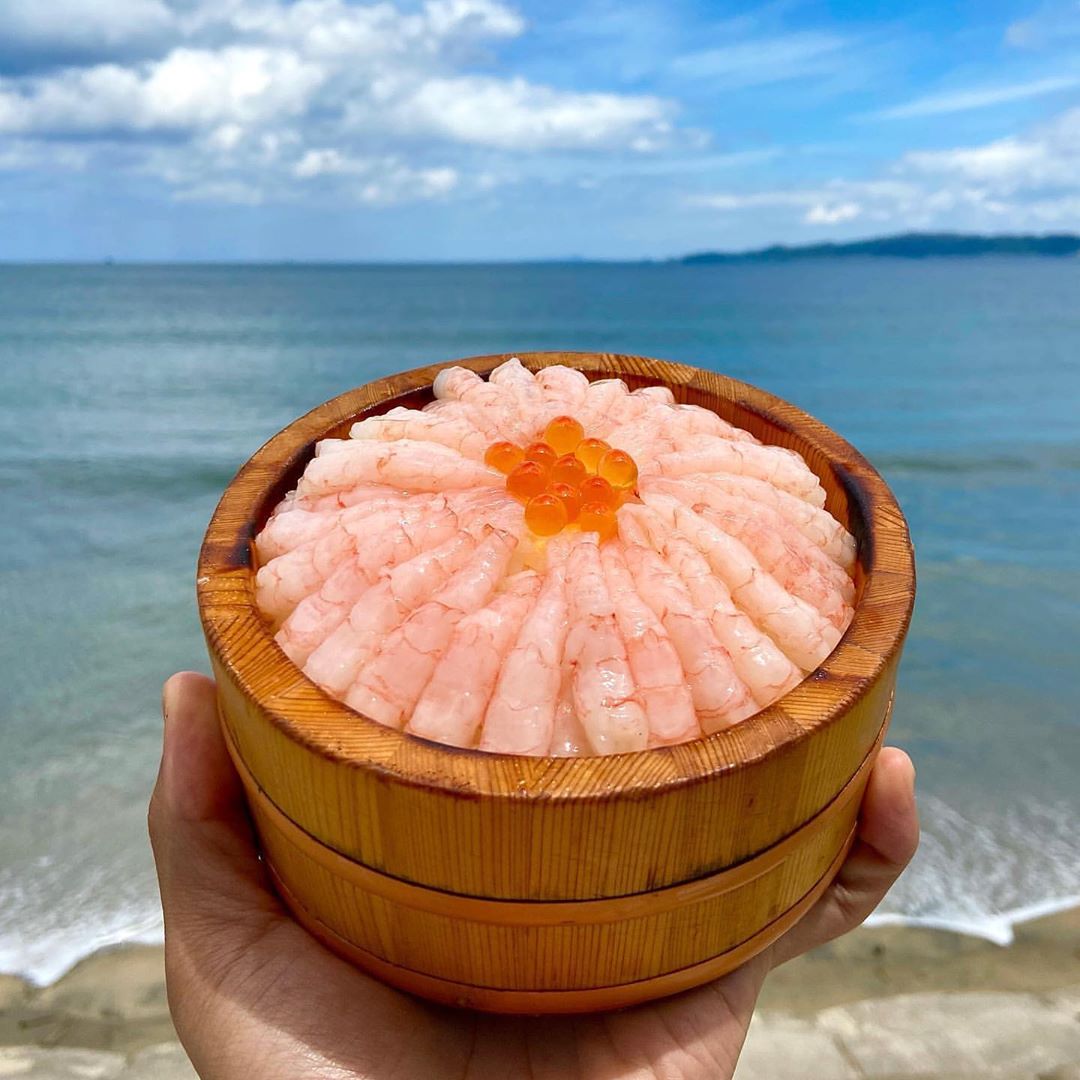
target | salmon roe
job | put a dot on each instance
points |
(527, 480)
(569, 496)
(563, 434)
(545, 514)
(597, 490)
(541, 453)
(504, 456)
(566, 479)
(617, 467)
(597, 518)
(590, 451)
(568, 470)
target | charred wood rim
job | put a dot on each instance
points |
(306, 715)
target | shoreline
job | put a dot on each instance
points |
(114, 1001)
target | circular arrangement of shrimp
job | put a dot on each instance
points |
(404, 578)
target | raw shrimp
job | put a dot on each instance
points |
(654, 663)
(603, 686)
(284, 581)
(804, 635)
(780, 467)
(568, 738)
(291, 528)
(602, 398)
(521, 714)
(452, 706)
(720, 697)
(389, 684)
(798, 564)
(453, 431)
(815, 523)
(488, 406)
(407, 463)
(563, 389)
(519, 386)
(757, 660)
(333, 631)
(689, 420)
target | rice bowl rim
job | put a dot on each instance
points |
(241, 640)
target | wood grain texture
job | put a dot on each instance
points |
(563, 831)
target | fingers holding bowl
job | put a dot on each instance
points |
(886, 839)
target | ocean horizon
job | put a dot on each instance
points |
(130, 393)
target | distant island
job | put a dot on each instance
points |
(904, 246)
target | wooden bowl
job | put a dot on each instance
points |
(530, 884)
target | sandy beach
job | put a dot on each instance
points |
(887, 1003)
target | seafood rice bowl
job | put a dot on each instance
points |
(539, 564)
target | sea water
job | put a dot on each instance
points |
(129, 395)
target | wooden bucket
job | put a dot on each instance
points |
(528, 884)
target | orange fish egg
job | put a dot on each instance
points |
(567, 470)
(527, 480)
(617, 467)
(590, 451)
(541, 453)
(545, 514)
(597, 490)
(598, 518)
(504, 456)
(569, 496)
(563, 434)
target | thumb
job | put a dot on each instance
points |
(207, 864)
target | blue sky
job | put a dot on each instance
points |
(325, 129)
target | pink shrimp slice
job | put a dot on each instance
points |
(563, 389)
(292, 527)
(720, 697)
(469, 514)
(519, 385)
(605, 695)
(568, 738)
(798, 628)
(602, 399)
(342, 500)
(452, 705)
(654, 663)
(799, 565)
(284, 581)
(407, 463)
(335, 630)
(453, 431)
(520, 716)
(390, 683)
(688, 421)
(789, 562)
(757, 660)
(815, 523)
(781, 467)
(488, 406)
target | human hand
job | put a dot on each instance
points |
(254, 996)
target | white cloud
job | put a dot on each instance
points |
(1023, 181)
(1048, 156)
(519, 115)
(251, 100)
(82, 27)
(1052, 24)
(978, 98)
(764, 59)
(187, 90)
(832, 213)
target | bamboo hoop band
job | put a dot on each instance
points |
(606, 909)
(595, 999)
